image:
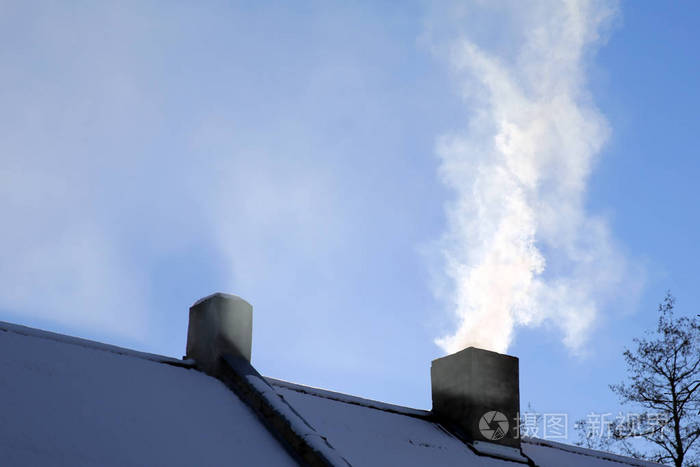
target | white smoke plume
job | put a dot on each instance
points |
(520, 249)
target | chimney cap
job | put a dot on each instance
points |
(223, 295)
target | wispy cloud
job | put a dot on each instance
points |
(520, 248)
(64, 160)
(129, 137)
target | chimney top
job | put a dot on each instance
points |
(219, 324)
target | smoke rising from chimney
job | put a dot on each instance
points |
(520, 249)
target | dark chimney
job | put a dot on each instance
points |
(477, 392)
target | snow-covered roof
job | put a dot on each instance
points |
(69, 401)
(373, 433)
(72, 402)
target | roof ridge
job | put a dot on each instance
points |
(90, 344)
(349, 399)
(282, 419)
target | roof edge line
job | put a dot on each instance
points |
(573, 449)
(90, 344)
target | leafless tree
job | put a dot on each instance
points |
(663, 376)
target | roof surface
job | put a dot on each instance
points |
(372, 433)
(72, 402)
(69, 401)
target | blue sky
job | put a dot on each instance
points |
(151, 154)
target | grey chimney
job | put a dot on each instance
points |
(219, 324)
(477, 392)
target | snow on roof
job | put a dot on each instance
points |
(68, 401)
(369, 435)
(546, 453)
(372, 433)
